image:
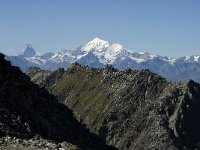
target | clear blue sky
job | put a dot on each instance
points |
(166, 27)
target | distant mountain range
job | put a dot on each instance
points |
(98, 53)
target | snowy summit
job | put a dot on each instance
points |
(95, 44)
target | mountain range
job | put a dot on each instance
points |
(98, 53)
(96, 108)
(131, 109)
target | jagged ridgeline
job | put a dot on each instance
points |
(130, 109)
(31, 117)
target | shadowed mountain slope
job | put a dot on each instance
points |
(27, 111)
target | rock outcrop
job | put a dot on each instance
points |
(131, 109)
(30, 117)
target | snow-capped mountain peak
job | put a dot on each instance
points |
(106, 52)
(97, 40)
(28, 52)
(96, 44)
(193, 58)
(196, 58)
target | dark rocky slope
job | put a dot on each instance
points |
(131, 109)
(32, 118)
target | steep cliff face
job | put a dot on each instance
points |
(130, 109)
(27, 112)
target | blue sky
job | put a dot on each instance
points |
(165, 27)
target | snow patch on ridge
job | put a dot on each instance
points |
(196, 58)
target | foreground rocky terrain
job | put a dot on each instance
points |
(130, 109)
(31, 118)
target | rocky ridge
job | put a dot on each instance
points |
(31, 118)
(131, 109)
